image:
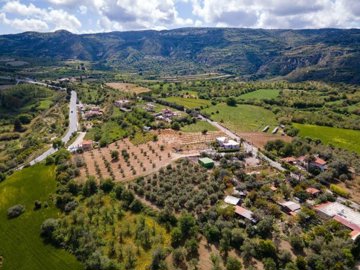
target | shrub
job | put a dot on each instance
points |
(231, 101)
(233, 264)
(47, 229)
(70, 206)
(2, 177)
(107, 185)
(15, 211)
(90, 187)
(37, 205)
(339, 191)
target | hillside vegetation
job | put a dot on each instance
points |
(250, 53)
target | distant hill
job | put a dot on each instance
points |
(325, 54)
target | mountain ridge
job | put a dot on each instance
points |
(328, 54)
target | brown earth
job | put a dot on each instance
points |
(128, 87)
(144, 158)
(259, 139)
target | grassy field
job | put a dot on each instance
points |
(261, 94)
(198, 127)
(189, 103)
(20, 244)
(110, 131)
(242, 118)
(45, 104)
(343, 138)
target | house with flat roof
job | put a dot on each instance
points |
(227, 143)
(342, 214)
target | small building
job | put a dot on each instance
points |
(290, 160)
(319, 163)
(92, 113)
(87, 145)
(231, 144)
(206, 162)
(313, 191)
(227, 144)
(266, 129)
(232, 200)
(221, 140)
(245, 213)
(290, 207)
(146, 129)
(122, 103)
(275, 130)
(150, 107)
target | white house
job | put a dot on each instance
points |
(227, 144)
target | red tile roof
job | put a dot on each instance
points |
(89, 142)
(312, 190)
(347, 223)
(288, 159)
(320, 161)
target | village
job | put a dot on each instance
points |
(206, 150)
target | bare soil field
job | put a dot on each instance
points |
(128, 87)
(259, 139)
(143, 159)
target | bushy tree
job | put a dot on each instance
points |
(90, 187)
(15, 211)
(233, 264)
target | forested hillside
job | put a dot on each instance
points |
(325, 54)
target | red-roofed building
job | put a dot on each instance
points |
(313, 191)
(320, 163)
(87, 145)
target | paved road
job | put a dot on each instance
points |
(73, 126)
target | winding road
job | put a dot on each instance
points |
(73, 127)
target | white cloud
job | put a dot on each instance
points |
(27, 16)
(24, 24)
(278, 13)
(166, 14)
(83, 9)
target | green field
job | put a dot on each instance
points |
(20, 242)
(45, 104)
(261, 94)
(111, 131)
(189, 103)
(242, 118)
(198, 127)
(343, 138)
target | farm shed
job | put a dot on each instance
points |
(290, 207)
(245, 213)
(206, 162)
(231, 200)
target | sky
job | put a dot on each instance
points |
(89, 16)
